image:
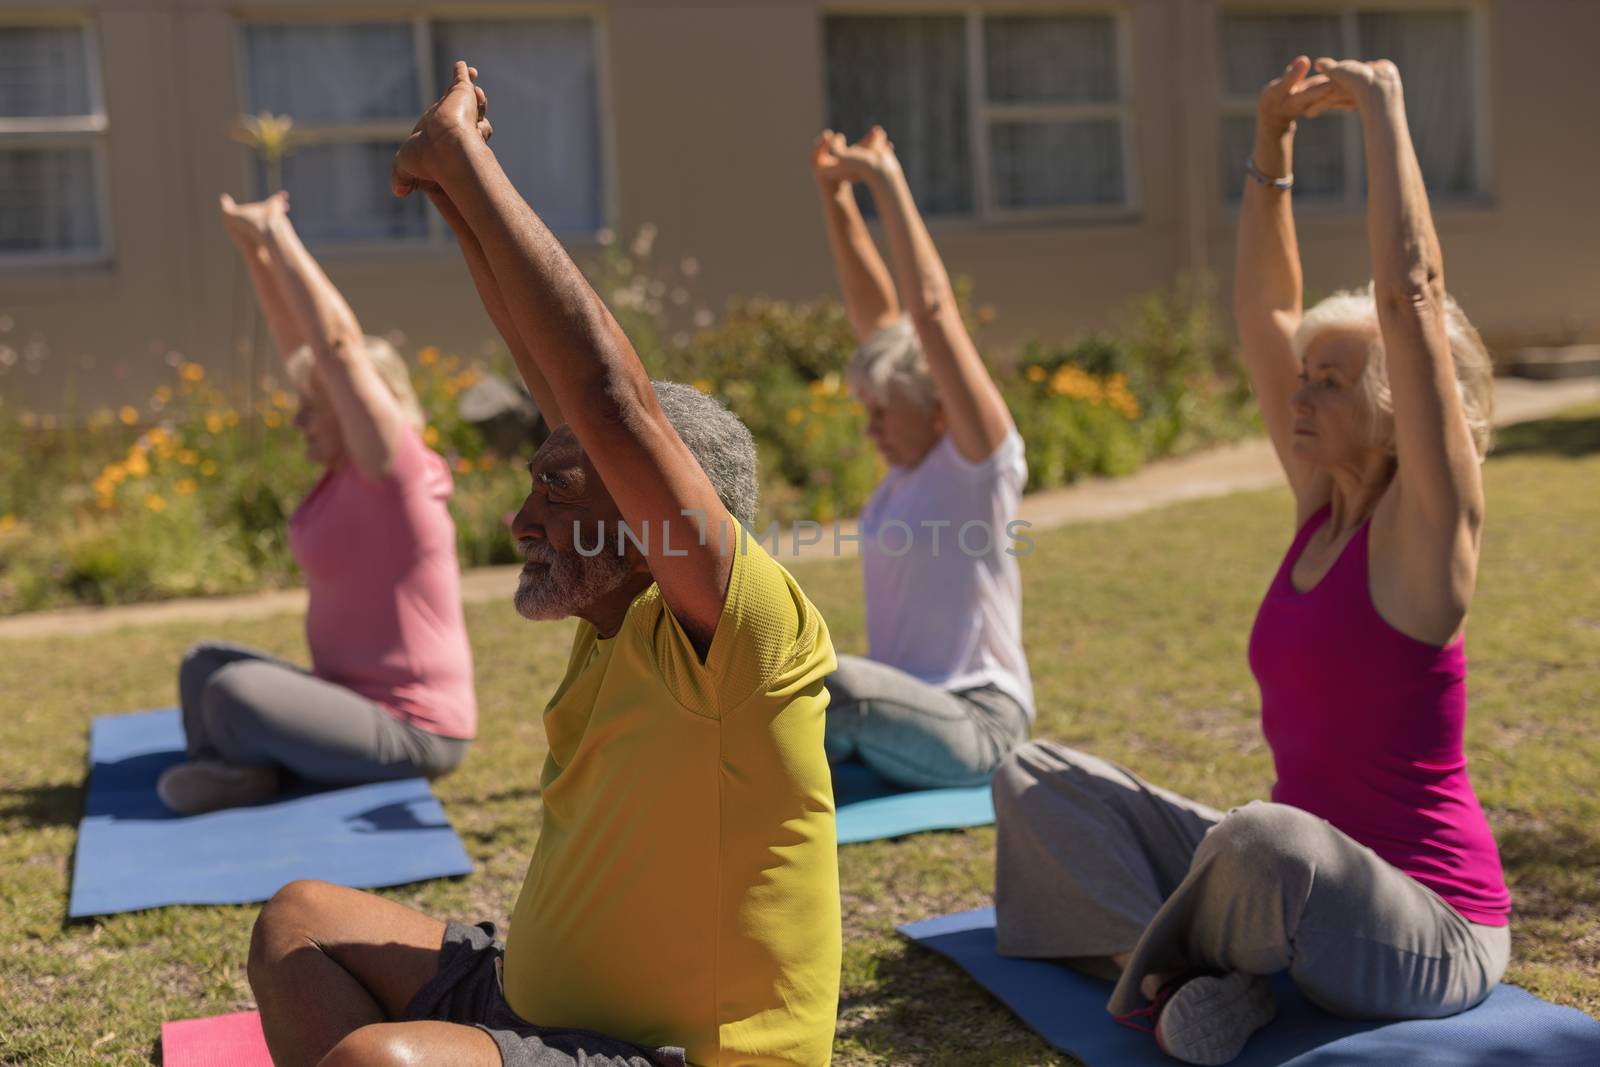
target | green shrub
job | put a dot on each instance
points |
(190, 493)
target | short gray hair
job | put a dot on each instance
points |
(891, 362)
(1357, 310)
(720, 442)
(385, 360)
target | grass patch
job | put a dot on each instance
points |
(1137, 634)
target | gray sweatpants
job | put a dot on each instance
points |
(1094, 861)
(915, 734)
(244, 706)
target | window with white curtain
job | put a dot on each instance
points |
(52, 145)
(992, 115)
(1436, 51)
(354, 90)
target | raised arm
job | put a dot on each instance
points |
(494, 302)
(868, 290)
(1438, 474)
(369, 416)
(591, 369)
(246, 224)
(975, 413)
(1266, 281)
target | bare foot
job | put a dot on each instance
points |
(247, 223)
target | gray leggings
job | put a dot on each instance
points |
(244, 706)
(915, 734)
(1093, 861)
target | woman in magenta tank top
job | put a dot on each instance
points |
(390, 690)
(1372, 876)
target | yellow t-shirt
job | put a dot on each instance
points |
(685, 888)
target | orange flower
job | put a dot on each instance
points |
(213, 422)
(155, 502)
(185, 486)
(272, 419)
(208, 468)
(428, 356)
(192, 372)
(128, 414)
(430, 436)
(463, 465)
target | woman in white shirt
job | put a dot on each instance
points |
(945, 692)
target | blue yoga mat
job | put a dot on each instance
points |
(1068, 1010)
(133, 853)
(869, 808)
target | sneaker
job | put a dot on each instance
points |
(1208, 1019)
(202, 785)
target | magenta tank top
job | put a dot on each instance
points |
(1365, 726)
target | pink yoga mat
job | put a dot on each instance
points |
(221, 1041)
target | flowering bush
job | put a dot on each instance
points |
(190, 491)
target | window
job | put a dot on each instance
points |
(354, 90)
(996, 116)
(52, 146)
(1436, 53)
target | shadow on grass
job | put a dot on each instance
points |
(923, 1009)
(42, 806)
(1569, 436)
(1556, 867)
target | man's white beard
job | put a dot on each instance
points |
(563, 583)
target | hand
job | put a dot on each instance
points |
(1294, 96)
(454, 119)
(869, 159)
(1362, 84)
(247, 223)
(825, 165)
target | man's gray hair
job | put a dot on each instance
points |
(719, 441)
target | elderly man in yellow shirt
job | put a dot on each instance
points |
(682, 904)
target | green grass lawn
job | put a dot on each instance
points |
(1136, 631)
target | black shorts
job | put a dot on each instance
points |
(467, 990)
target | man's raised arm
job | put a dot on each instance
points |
(598, 382)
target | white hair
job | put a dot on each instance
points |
(385, 360)
(1356, 310)
(890, 364)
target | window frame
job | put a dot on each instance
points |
(1348, 12)
(68, 131)
(982, 113)
(438, 237)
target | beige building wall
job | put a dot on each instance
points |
(709, 108)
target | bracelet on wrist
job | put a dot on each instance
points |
(1283, 184)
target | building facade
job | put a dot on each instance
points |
(1072, 154)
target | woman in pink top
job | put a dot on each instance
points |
(390, 691)
(1372, 876)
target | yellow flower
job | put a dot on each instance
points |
(155, 502)
(428, 356)
(137, 465)
(102, 418)
(114, 473)
(156, 437)
(192, 372)
(208, 468)
(213, 422)
(185, 486)
(7, 522)
(272, 419)
(1036, 373)
(188, 457)
(230, 418)
(128, 414)
(163, 393)
(281, 400)
(430, 436)
(795, 416)
(702, 385)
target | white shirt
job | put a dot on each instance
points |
(944, 595)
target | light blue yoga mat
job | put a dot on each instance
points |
(1512, 1028)
(133, 853)
(870, 809)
